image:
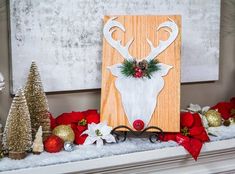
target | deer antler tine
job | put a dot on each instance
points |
(150, 44)
(116, 44)
(113, 30)
(163, 44)
(119, 41)
(170, 19)
(167, 30)
(129, 43)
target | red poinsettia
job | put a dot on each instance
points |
(52, 121)
(226, 109)
(78, 122)
(192, 134)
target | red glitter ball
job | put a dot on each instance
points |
(53, 144)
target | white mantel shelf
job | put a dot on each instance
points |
(216, 157)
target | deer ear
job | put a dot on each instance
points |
(115, 69)
(164, 69)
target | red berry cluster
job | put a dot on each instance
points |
(138, 72)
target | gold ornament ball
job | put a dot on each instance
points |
(65, 132)
(214, 118)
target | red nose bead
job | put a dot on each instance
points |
(138, 125)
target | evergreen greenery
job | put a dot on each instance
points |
(128, 68)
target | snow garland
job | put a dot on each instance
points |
(91, 151)
(83, 152)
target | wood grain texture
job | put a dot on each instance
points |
(167, 113)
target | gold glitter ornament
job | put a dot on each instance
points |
(214, 118)
(65, 132)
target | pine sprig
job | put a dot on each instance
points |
(129, 68)
(152, 67)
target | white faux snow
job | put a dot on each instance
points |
(83, 153)
(91, 151)
(222, 132)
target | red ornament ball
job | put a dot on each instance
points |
(138, 125)
(53, 144)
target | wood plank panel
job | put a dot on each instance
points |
(167, 113)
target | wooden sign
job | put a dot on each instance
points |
(154, 100)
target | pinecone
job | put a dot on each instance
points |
(134, 64)
(143, 64)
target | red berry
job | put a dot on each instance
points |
(138, 125)
(138, 74)
(137, 69)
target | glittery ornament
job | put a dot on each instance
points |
(37, 102)
(214, 118)
(17, 137)
(65, 132)
(68, 146)
(232, 120)
(53, 144)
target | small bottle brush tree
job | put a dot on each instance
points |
(17, 137)
(37, 102)
(38, 143)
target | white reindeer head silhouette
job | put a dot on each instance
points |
(137, 106)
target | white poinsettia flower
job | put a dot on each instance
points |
(194, 107)
(204, 121)
(205, 109)
(98, 133)
(197, 108)
(201, 111)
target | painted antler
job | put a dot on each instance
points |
(123, 50)
(163, 44)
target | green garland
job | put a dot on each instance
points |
(132, 68)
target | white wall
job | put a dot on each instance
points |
(202, 93)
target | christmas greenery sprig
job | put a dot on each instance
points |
(144, 68)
